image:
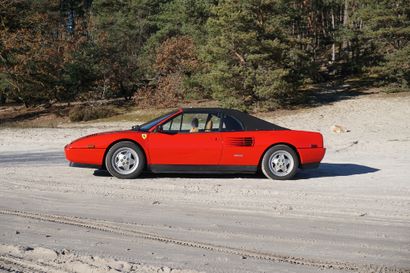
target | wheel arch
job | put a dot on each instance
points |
(121, 140)
(276, 144)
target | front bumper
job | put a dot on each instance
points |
(84, 157)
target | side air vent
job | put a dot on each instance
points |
(241, 141)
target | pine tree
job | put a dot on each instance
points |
(121, 30)
(251, 61)
(385, 27)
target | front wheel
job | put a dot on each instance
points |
(125, 160)
(280, 162)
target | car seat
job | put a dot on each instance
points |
(208, 126)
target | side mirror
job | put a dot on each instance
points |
(160, 129)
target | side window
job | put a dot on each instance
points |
(173, 125)
(231, 124)
(212, 123)
(192, 123)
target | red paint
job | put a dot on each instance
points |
(184, 148)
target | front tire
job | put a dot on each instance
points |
(280, 162)
(125, 160)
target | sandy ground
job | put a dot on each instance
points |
(350, 215)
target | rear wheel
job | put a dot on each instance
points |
(125, 160)
(280, 162)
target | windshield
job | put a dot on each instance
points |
(148, 125)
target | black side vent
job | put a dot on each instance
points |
(241, 141)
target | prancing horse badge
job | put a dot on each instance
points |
(144, 136)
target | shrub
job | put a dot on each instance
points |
(88, 112)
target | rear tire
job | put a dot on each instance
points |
(280, 162)
(125, 160)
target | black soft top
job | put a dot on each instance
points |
(249, 122)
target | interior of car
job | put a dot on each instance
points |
(201, 122)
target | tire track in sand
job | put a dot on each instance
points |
(13, 264)
(252, 254)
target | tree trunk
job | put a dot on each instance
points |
(333, 36)
(345, 21)
(2, 99)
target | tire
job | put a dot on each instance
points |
(125, 160)
(280, 162)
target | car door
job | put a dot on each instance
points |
(237, 144)
(177, 144)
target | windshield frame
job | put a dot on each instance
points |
(147, 126)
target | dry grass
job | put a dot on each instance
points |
(134, 114)
(45, 121)
(90, 112)
(40, 117)
(138, 114)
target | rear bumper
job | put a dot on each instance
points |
(311, 157)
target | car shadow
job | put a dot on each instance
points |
(335, 170)
(324, 170)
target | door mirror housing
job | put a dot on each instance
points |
(160, 129)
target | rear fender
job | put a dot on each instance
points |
(279, 143)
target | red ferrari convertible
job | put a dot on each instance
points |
(200, 140)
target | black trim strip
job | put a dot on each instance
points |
(310, 165)
(174, 168)
(81, 165)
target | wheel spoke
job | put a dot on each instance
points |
(281, 163)
(125, 160)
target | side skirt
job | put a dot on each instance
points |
(81, 165)
(310, 165)
(163, 168)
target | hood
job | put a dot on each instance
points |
(97, 140)
(98, 134)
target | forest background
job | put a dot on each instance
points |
(256, 55)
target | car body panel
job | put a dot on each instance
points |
(184, 148)
(230, 151)
(247, 148)
(92, 149)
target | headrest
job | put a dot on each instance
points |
(194, 122)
